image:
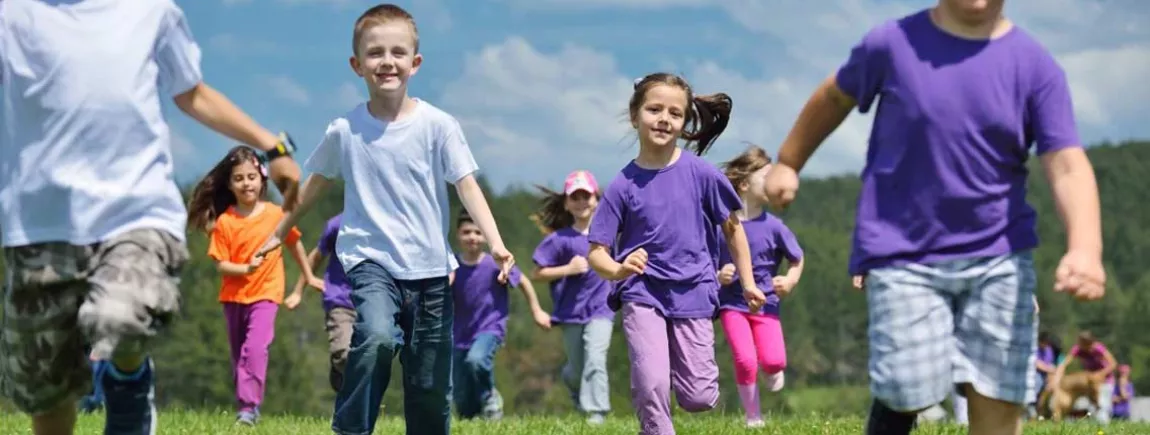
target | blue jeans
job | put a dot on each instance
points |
(413, 319)
(475, 375)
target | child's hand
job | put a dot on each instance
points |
(255, 263)
(316, 283)
(1082, 275)
(542, 319)
(293, 300)
(578, 265)
(858, 282)
(755, 299)
(781, 185)
(783, 285)
(634, 264)
(505, 260)
(727, 274)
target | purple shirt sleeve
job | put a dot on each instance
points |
(327, 239)
(515, 277)
(789, 243)
(608, 218)
(549, 253)
(719, 196)
(861, 76)
(1050, 110)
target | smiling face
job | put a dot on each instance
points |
(246, 183)
(581, 204)
(386, 57)
(471, 239)
(660, 117)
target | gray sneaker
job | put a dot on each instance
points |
(493, 409)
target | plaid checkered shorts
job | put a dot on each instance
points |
(933, 327)
(61, 298)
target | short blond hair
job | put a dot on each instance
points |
(382, 14)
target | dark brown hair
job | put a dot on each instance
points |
(552, 214)
(382, 14)
(743, 165)
(707, 115)
(464, 218)
(212, 196)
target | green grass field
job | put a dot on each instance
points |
(204, 423)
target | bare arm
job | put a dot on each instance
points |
(313, 188)
(822, 114)
(228, 268)
(740, 251)
(476, 205)
(1111, 363)
(1045, 367)
(1075, 192)
(299, 253)
(795, 271)
(215, 111)
(550, 273)
(1061, 370)
(602, 263)
(315, 258)
(528, 290)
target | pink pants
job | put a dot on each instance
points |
(251, 329)
(755, 340)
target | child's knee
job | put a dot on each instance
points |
(379, 335)
(699, 402)
(774, 365)
(745, 371)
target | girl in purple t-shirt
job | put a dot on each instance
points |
(578, 294)
(757, 339)
(479, 294)
(654, 233)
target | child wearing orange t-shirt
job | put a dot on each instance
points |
(228, 203)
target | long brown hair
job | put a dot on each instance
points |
(552, 214)
(707, 115)
(740, 168)
(212, 195)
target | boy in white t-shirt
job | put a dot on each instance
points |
(93, 222)
(396, 155)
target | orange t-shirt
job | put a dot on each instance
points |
(236, 239)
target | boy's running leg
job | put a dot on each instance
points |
(997, 342)
(694, 372)
(573, 368)
(911, 344)
(462, 392)
(134, 294)
(427, 358)
(480, 365)
(44, 287)
(375, 338)
(338, 323)
(647, 343)
(594, 389)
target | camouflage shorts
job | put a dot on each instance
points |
(61, 298)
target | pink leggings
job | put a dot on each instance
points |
(755, 340)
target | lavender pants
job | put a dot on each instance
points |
(251, 329)
(668, 354)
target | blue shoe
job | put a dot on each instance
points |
(130, 401)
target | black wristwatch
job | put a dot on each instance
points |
(284, 148)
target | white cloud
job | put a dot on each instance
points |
(287, 89)
(1107, 84)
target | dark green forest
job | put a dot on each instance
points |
(824, 320)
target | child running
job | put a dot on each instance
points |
(396, 155)
(943, 232)
(578, 295)
(93, 222)
(481, 309)
(228, 203)
(660, 217)
(339, 313)
(756, 340)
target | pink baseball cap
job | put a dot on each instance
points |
(580, 180)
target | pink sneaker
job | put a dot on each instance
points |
(775, 382)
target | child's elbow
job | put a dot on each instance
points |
(187, 100)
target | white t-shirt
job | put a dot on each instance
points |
(395, 210)
(85, 152)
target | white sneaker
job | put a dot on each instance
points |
(755, 424)
(775, 382)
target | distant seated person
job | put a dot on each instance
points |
(1123, 393)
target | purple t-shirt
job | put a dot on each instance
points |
(336, 288)
(770, 241)
(1122, 409)
(576, 298)
(673, 213)
(480, 300)
(945, 174)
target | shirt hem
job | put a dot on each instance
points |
(25, 238)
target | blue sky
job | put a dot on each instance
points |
(540, 85)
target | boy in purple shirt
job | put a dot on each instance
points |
(659, 217)
(943, 233)
(756, 340)
(479, 290)
(578, 294)
(339, 313)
